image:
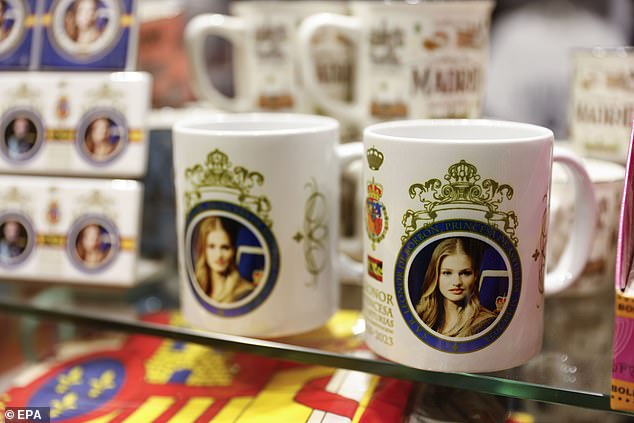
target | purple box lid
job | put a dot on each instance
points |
(87, 34)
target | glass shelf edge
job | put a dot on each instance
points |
(474, 382)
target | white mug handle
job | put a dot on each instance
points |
(350, 26)
(579, 245)
(197, 30)
(348, 268)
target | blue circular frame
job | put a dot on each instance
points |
(207, 208)
(73, 233)
(51, 33)
(87, 119)
(434, 230)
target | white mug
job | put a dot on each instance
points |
(413, 60)
(258, 217)
(266, 74)
(598, 274)
(602, 102)
(456, 229)
(579, 311)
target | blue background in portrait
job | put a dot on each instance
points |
(112, 57)
(104, 246)
(250, 262)
(20, 56)
(492, 287)
(93, 369)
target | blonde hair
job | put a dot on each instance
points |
(69, 19)
(82, 252)
(91, 144)
(431, 307)
(202, 270)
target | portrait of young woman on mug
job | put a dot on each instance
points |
(216, 269)
(450, 300)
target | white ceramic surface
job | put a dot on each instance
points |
(482, 187)
(270, 184)
(607, 178)
(413, 59)
(602, 102)
(266, 73)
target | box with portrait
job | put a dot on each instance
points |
(623, 342)
(69, 229)
(88, 34)
(17, 34)
(90, 124)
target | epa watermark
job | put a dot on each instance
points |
(27, 415)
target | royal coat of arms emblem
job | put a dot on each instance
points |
(377, 220)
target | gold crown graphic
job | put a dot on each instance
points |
(462, 191)
(462, 174)
(23, 91)
(217, 175)
(14, 198)
(23, 95)
(104, 94)
(105, 91)
(95, 202)
(375, 158)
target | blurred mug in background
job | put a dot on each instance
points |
(413, 59)
(607, 178)
(602, 101)
(265, 69)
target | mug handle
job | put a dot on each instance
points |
(197, 30)
(579, 245)
(348, 268)
(350, 26)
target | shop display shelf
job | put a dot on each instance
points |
(552, 376)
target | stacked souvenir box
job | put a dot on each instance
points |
(68, 34)
(72, 125)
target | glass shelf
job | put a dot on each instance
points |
(554, 376)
